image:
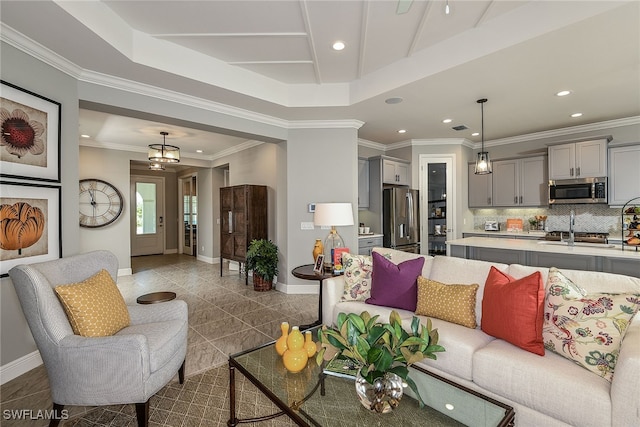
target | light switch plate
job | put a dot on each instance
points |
(306, 226)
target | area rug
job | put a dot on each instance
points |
(203, 400)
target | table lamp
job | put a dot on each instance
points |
(332, 215)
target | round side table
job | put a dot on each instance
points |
(156, 297)
(306, 272)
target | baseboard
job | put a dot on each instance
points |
(20, 366)
(298, 289)
(207, 259)
(125, 272)
(170, 251)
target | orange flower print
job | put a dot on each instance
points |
(21, 225)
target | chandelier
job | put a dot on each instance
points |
(163, 153)
(156, 166)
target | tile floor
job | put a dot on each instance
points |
(225, 316)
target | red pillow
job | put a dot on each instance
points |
(513, 309)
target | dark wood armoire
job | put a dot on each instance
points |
(243, 217)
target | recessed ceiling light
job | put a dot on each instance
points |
(563, 93)
(85, 136)
(394, 100)
(402, 131)
(198, 151)
(339, 45)
(576, 115)
(475, 134)
(447, 121)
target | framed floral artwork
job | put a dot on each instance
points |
(30, 135)
(30, 224)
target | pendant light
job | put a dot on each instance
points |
(483, 163)
(163, 153)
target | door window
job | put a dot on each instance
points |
(145, 208)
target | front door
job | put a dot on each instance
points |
(147, 217)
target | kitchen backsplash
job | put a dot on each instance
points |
(589, 218)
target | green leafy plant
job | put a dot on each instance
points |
(377, 347)
(262, 259)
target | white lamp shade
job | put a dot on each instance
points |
(333, 214)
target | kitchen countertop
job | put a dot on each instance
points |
(366, 236)
(592, 249)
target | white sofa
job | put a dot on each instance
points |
(544, 390)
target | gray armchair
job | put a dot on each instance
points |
(128, 367)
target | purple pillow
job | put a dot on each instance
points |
(395, 285)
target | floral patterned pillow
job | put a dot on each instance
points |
(586, 328)
(357, 277)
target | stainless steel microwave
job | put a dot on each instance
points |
(580, 190)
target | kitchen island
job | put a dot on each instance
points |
(541, 253)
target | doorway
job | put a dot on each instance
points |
(147, 215)
(437, 183)
(189, 196)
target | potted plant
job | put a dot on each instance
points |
(379, 350)
(262, 259)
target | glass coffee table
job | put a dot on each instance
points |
(311, 398)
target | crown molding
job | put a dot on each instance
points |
(40, 52)
(235, 149)
(21, 42)
(443, 141)
(325, 124)
(131, 86)
(112, 146)
(547, 134)
(184, 155)
(370, 144)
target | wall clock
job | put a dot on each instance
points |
(100, 203)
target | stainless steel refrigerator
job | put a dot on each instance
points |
(401, 219)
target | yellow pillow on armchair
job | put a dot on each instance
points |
(95, 307)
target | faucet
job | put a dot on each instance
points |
(572, 223)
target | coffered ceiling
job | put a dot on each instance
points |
(276, 58)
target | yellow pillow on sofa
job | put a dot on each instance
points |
(95, 307)
(453, 303)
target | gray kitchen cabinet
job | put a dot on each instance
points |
(396, 172)
(505, 256)
(366, 244)
(480, 189)
(520, 182)
(363, 183)
(585, 159)
(624, 174)
(573, 262)
(378, 167)
(499, 235)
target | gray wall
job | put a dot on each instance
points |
(31, 74)
(255, 166)
(322, 166)
(111, 166)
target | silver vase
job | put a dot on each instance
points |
(383, 395)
